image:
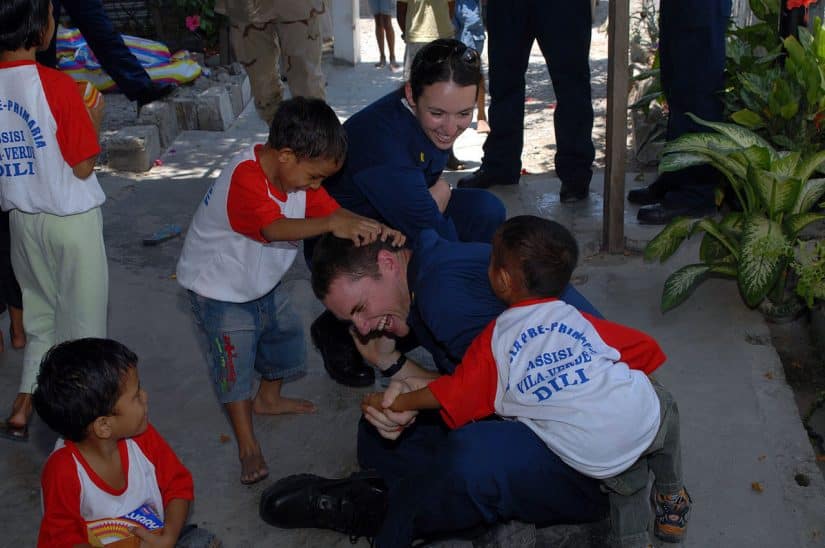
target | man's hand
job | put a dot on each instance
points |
(441, 193)
(376, 348)
(390, 424)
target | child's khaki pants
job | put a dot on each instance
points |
(60, 263)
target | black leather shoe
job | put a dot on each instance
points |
(645, 196)
(569, 194)
(661, 215)
(453, 163)
(355, 505)
(155, 92)
(482, 179)
(341, 359)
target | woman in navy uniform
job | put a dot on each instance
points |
(398, 147)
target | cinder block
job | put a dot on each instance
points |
(233, 88)
(133, 148)
(246, 89)
(214, 109)
(186, 112)
(161, 114)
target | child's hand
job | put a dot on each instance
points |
(374, 399)
(149, 540)
(395, 237)
(361, 230)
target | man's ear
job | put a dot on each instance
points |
(102, 427)
(409, 94)
(387, 261)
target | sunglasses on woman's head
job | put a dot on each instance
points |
(438, 53)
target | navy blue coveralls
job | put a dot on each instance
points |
(487, 471)
(562, 29)
(391, 164)
(692, 59)
(105, 42)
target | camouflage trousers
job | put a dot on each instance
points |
(277, 47)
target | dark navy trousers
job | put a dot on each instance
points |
(562, 29)
(441, 481)
(692, 58)
(105, 42)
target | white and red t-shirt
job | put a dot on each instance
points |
(74, 495)
(577, 381)
(45, 129)
(225, 257)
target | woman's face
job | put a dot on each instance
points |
(444, 110)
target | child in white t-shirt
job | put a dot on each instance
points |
(48, 148)
(577, 381)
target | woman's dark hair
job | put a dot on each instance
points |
(444, 60)
(22, 23)
(545, 251)
(310, 128)
(80, 381)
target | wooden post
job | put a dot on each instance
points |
(616, 138)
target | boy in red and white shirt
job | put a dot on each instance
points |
(48, 148)
(243, 238)
(110, 462)
(577, 381)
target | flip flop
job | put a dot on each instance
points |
(167, 232)
(14, 433)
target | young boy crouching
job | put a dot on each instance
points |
(110, 462)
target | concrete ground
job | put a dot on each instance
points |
(748, 464)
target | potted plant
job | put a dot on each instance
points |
(755, 246)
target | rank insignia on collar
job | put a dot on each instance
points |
(421, 157)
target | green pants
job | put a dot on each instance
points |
(60, 263)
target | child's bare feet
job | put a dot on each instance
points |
(268, 401)
(253, 467)
(282, 406)
(381, 63)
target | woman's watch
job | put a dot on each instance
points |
(394, 368)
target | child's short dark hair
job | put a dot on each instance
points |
(80, 381)
(310, 128)
(22, 23)
(545, 251)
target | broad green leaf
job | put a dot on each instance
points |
(786, 163)
(712, 228)
(778, 194)
(763, 256)
(706, 140)
(681, 284)
(666, 242)
(680, 161)
(758, 157)
(740, 135)
(728, 270)
(712, 250)
(810, 164)
(795, 223)
(727, 165)
(748, 118)
(812, 191)
(789, 109)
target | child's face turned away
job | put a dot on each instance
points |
(131, 413)
(295, 174)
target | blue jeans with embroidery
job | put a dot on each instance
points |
(264, 336)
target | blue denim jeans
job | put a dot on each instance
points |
(629, 507)
(264, 335)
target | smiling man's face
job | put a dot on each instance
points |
(373, 304)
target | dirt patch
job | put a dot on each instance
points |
(805, 373)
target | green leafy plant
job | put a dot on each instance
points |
(754, 246)
(809, 265)
(200, 17)
(776, 86)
